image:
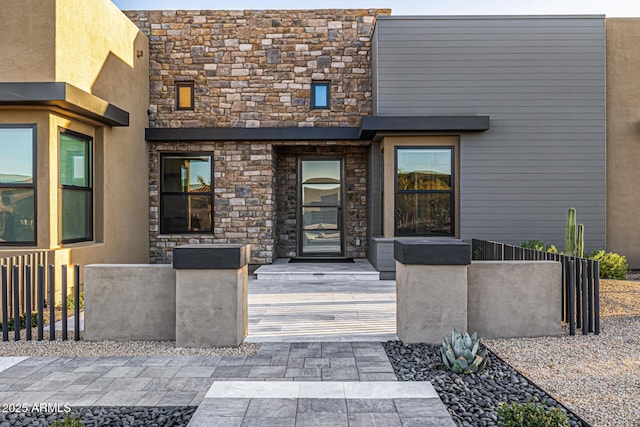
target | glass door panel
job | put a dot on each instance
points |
(320, 194)
(320, 210)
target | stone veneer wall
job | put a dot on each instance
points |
(244, 199)
(355, 205)
(255, 68)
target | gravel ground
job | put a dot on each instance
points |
(81, 348)
(597, 377)
(471, 399)
(106, 416)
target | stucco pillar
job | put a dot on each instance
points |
(431, 288)
(211, 295)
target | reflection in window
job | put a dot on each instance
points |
(320, 95)
(76, 187)
(424, 191)
(17, 184)
(187, 194)
(184, 95)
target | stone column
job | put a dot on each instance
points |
(431, 288)
(211, 294)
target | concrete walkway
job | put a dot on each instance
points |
(325, 386)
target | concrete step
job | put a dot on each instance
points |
(282, 270)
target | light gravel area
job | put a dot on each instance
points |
(598, 377)
(59, 348)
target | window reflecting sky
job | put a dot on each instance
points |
(200, 167)
(329, 170)
(16, 151)
(421, 160)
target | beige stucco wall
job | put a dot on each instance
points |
(99, 50)
(27, 40)
(623, 138)
(388, 145)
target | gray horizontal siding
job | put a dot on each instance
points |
(542, 82)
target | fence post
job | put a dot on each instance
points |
(16, 302)
(590, 293)
(27, 297)
(572, 295)
(596, 297)
(5, 308)
(40, 302)
(76, 300)
(52, 303)
(585, 308)
(578, 289)
(64, 304)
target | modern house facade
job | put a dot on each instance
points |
(316, 133)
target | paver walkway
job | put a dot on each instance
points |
(211, 381)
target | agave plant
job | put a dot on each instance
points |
(463, 355)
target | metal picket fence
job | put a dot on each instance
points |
(28, 288)
(580, 281)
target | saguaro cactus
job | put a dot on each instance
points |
(570, 233)
(580, 241)
(574, 236)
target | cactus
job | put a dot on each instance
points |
(574, 236)
(463, 355)
(570, 233)
(580, 242)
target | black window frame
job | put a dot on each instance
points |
(190, 85)
(315, 84)
(452, 191)
(77, 188)
(162, 230)
(33, 184)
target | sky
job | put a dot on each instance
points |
(611, 8)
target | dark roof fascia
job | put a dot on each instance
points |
(252, 134)
(370, 126)
(64, 96)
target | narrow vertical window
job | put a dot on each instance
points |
(17, 185)
(320, 95)
(184, 95)
(186, 203)
(76, 187)
(424, 191)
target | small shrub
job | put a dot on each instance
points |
(71, 303)
(530, 415)
(612, 265)
(477, 254)
(23, 321)
(68, 421)
(537, 245)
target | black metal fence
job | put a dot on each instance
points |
(28, 287)
(580, 281)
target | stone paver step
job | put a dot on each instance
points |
(331, 404)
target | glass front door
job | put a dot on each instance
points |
(320, 208)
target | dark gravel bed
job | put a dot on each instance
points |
(112, 416)
(471, 399)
